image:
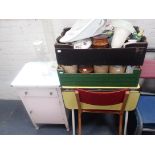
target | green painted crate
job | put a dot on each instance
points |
(95, 79)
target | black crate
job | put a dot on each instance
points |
(131, 55)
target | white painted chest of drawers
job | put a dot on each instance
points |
(37, 84)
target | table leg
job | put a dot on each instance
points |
(126, 122)
(73, 121)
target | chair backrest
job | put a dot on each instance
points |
(101, 98)
(148, 69)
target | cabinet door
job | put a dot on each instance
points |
(44, 109)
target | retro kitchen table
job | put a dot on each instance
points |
(70, 101)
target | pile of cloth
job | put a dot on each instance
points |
(104, 33)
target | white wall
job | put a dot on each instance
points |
(16, 45)
(16, 48)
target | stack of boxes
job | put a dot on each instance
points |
(132, 55)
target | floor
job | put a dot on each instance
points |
(15, 121)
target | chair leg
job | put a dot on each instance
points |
(120, 124)
(79, 122)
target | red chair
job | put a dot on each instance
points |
(101, 99)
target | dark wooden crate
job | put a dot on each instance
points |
(101, 56)
(131, 55)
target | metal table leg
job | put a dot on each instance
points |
(73, 121)
(126, 122)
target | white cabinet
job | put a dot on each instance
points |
(41, 97)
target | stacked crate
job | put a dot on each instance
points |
(132, 55)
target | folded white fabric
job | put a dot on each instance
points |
(84, 28)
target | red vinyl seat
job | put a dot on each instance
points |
(101, 99)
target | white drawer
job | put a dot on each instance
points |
(40, 92)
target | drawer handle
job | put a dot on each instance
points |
(51, 93)
(26, 93)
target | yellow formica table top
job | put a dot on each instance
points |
(71, 103)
